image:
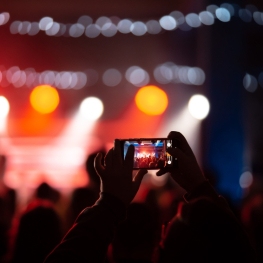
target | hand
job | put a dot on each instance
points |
(187, 172)
(117, 174)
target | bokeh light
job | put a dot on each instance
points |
(151, 100)
(137, 76)
(92, 31)
(198, 106)
(4, 18)
(245, 15)
(223, 14)
(168, 22)
(153, 27)
(246, 179)
(45, 23)
(178, 16)
(111, 77)
(206, 18)
(85, 20)
(91, 108)
(258, 17)
(124, 26)
(138, 28)
(229, 7)
(76, 30)
(4, 107)
(44, 99)
(193, 20)
(250, 83)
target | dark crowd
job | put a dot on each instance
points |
(184, 220)
(149, 162)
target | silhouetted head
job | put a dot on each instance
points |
(90, 169)
(45, 191)
(38, 233)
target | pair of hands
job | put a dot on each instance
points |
(117, 174)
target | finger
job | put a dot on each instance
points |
(108, 160)
(183, 144)
(129, 158)
(117, 150)
(138, 178)
(97, 164)
(163, 171)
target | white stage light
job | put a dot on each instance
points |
(199, 106)
(91, 108)
(4, 107)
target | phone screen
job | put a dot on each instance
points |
(149, 153)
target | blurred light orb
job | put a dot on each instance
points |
(246, 179)
(109, 30)
(4, 17)
(245, 15)
(45, 23)
(76, 30)
(258, 17)
(250, 83)
(137, 76)
(138, 28)
(92, 31)
(14, 27)
(212, 9)
(85, 20)
(260, 79)
(44, 99)
(111, 77)
(124, 26)
(163, 73)
(153, 27)
(151, 100)
(229, 7)
(198, 106)
(167, 22)
(24, 27)
(178, 16)
(206, 18)
(103, 20)
(193, 20)
(4, 107)
(223, 14)
(34, 29)
(91, 108)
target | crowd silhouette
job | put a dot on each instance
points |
(185, 220)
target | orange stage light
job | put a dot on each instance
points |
(44, 99)
(151, 100)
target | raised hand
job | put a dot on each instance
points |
(187, 172)
(117, 173)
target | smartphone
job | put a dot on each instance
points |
(150, 153)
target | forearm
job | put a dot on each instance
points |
(89, 237)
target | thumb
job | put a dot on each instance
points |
(97, 164)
